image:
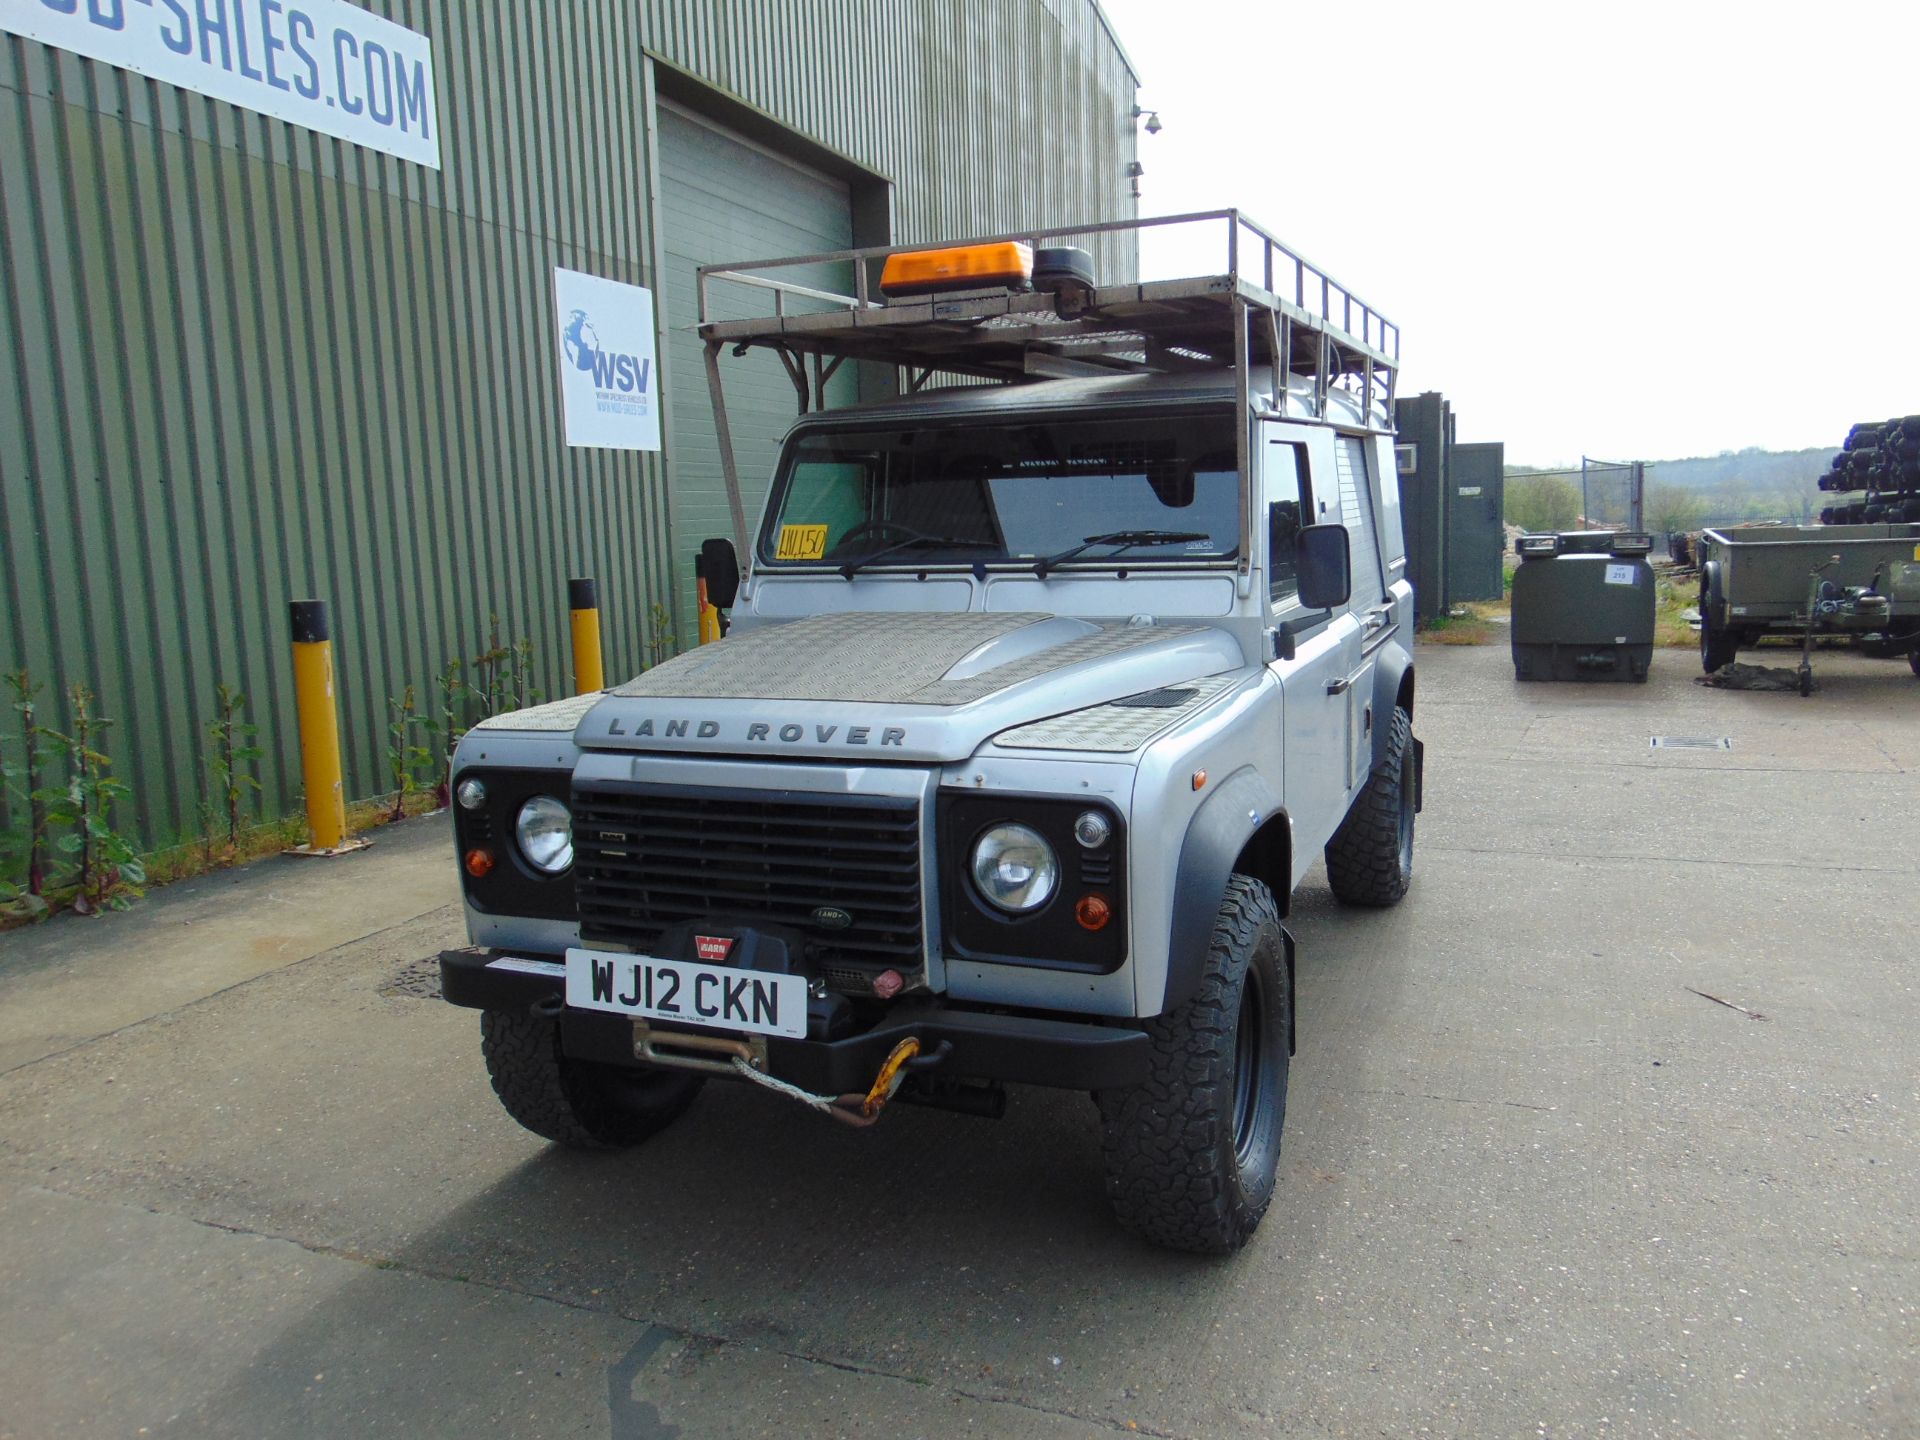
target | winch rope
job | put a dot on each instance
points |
(857, 1110)
(805, 1097)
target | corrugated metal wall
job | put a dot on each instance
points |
(243, 362)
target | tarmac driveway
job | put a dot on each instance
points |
(1610, 1129)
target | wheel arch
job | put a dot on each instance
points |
(1392, 687)
(1241, 827)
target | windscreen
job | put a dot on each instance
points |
(1010, 491)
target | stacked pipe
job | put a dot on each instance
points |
(1879, 473)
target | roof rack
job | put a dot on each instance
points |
(1267, 307)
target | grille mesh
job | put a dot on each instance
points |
(645, 862)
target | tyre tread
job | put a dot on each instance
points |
(1363, 858)
(1167, 1178)
(562, 1100)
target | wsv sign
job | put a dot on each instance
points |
(626, 374)
(609, 373)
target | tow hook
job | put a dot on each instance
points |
(548, 1007)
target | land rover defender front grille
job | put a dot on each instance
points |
(845, 873)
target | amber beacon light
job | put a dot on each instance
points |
(1004, 263)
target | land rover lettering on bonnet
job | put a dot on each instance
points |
(1036, 700)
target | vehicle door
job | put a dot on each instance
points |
(1316, 650)
(1370, 603)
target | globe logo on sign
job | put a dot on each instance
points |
(579, 341)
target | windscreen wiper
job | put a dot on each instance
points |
(1125, 539)
(854, 567)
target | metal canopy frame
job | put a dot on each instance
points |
(1282, 312)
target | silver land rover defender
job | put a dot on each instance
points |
(1039, 698)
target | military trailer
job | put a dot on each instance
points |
(1583, 606)
(1802, 581)
(1040, 696)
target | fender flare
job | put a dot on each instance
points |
(1217, 833)
(1392, 665)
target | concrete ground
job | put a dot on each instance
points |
(1536, 1182)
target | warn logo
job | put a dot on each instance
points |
(713, 948)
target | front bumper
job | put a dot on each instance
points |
(981, 1044)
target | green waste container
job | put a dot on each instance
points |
(1583, 606)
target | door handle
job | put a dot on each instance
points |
(1339, 687)
(1375, 618)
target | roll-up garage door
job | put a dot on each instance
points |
(723, 197)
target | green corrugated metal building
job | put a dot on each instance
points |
(245, 361)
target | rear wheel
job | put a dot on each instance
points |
(1191, 1154)
(575, 1102)
(1370, 858)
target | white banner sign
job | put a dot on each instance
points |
(324, 64)
(609, 382)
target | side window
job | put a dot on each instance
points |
(1289, 506)
(1356, 511)
(1393, 544)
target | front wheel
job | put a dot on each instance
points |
(1191, 1154)
(1370, 858)
(572, 1102)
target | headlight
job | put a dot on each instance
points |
(1014, 868)
(545, 832)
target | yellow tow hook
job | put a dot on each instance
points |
(892, 1073)
(861, 1111)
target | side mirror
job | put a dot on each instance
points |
(1323, 566)
(721, 567)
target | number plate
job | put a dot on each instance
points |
(683, 992)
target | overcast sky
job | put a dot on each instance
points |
(1631, 230)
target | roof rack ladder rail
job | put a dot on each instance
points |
(724, 434)
(1243, 428)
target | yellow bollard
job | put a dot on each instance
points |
(589, 671)
(319, 733)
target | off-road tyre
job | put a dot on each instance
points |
(1913, 662)
(1191, 1154)
(1370, 858)
(574, 1102)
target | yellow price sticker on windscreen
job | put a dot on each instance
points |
(801, 542)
